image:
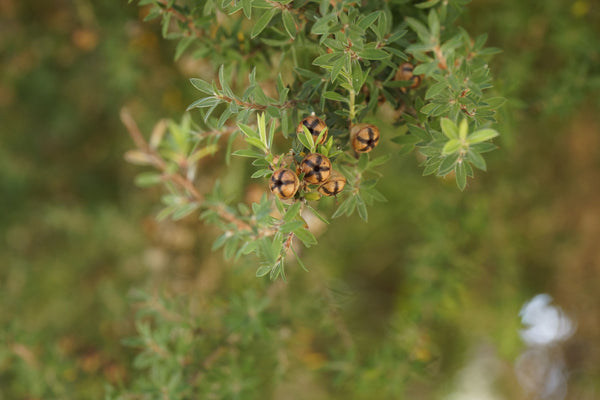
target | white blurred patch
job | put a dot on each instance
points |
(476, 381)
(541, 369)
(547, 324)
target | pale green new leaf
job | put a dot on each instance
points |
(482, 135)
(449, 128)
(451, 146)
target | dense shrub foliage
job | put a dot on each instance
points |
(101, 299)
(330, 69)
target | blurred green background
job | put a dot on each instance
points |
(76, 236)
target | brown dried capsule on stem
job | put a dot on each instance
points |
(315, 126)
(334, 185)
(316, 168)
(284, 183)
(364, 137)
(405, 73)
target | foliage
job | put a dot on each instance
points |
(435, 278)
(346, 60)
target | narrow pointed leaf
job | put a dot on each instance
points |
(481, 136)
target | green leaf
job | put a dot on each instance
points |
(361, 207)
(477, 160)
(165, 212)
(373, 54)
(451, 146)
(262, 23)
(204, 103)
(495, 102)
(334, 96)
(429, 108)
(288, 23)
(406, 139)
(325, 60)
(461, 175)
(305, 236)
(489, 51)
(337, 68)
(292, 211)
(223, 82)
(397, 36)
(224, 118)
(347, 207)
(230, 141)
(419, 132)
(434, 23)
(436, 89)
(247, 7)
(379, 160)
(365, 22)
(432, 166)
(182, 46)
(307, 139)
(260, 173)
(363, 161)
(320, 137)
(154, 13)
(185, 210)
(262, 129)
(312, 196)
(255, 142)
(298, 259)
(248, 131)
(482, 135)
(463, 129)
(449, 128)
(277, 270)
(447, 164)
(321, 26)
(484, 147)
(263, 270)
(146, 179)
(468, 168)
(480, 41)
(419, 28)
(248, 153)
(267, 251)
(291, 226)
(427, 4)
(316, 214)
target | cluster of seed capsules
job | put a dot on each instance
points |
(316, 169)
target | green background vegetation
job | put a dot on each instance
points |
(442, 272)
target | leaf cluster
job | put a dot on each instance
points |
(347, 61)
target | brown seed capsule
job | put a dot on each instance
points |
(364, 137)
(334, 185)
(315, 126)
(284, 183)
(316, 168)
(405, 73)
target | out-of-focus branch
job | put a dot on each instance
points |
(156, 160)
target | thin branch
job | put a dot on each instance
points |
(156, 160)
(254, 106)
(188, 21)
(440, 57)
